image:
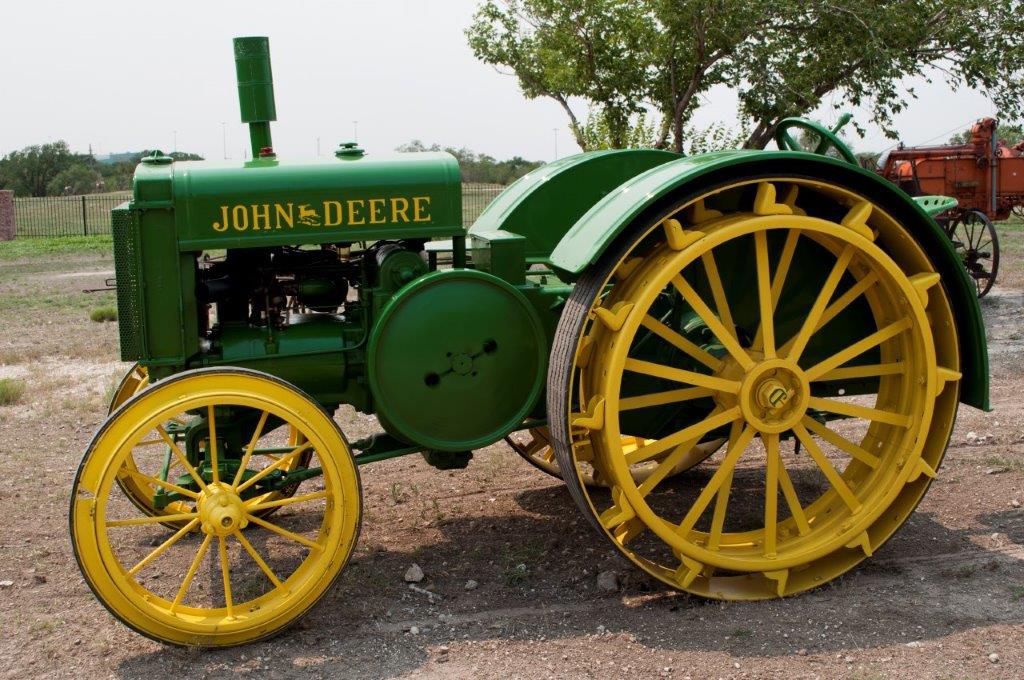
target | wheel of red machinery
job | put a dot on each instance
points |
(836, 333)
(534, 446)
(135, 381)
(975, 239)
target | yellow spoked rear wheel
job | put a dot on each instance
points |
(857, 364)
(534, 446)
(135, 381)
(226, 576)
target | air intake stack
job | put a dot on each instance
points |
(255, 90)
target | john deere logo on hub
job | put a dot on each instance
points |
(327, 214)
(778, 397)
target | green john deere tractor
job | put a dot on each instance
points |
(745, 365)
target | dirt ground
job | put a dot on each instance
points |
(943, 599)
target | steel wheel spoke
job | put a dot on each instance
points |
(280, 502)
(154, 519)
(858, 348)
(814, 316)
(666, 465)
(257, 559)
(662, 398)
(722, 497)
(722, 474)
(764, 295)
(257, 433)
(865, 371)
(682, 375)
(833, 477)
(225, 574)
(212, 444)
(715, 419)
(840, 442)
(191, 573)
(182, 460)
(857, 411)
(163, 547)
(313, 545)
(793, 500)
(705, 313)
(167, 485)
(718, 292)
(771, 493)
(282, 461)
(779, 279)
(679, 342)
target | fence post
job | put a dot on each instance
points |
(85, 219)
(6, 215)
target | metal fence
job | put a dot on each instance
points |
(65, 215)
(90, 215)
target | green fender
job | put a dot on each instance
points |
(658, 191)
(544, 204)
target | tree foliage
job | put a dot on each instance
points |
(54, 170)
(75, 180)
(622, 58)
(29, 171)
(478, 167)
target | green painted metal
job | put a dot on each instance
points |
(255, 90)
(660, 189)
(457, 360)
(936, 205)
(544, 204)
(268, 202)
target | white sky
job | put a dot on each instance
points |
(128, 74)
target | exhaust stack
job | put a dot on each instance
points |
(256, 90)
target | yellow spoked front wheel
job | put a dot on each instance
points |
(534, 446)
(227, 576)
(826, 355)
(142, 495)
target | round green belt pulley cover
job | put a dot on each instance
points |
(457, 360)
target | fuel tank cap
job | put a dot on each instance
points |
(349, 151)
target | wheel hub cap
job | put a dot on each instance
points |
(221, 510)
(774, 395)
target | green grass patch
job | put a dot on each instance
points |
(11, 391)
(101, 314)
(21, 248)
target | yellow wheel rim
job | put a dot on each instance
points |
(765, 522)
(226, 576)
(534, 446)
(136, 380)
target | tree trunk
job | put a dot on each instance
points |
(761, 135)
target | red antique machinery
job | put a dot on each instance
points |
(986, 176)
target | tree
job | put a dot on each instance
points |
(75, 180)
(29, 171)
(478, 168)
(782, 57)
(1009, 133)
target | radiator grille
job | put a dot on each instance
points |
(126, 267)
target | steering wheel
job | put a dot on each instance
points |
(828, 137)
